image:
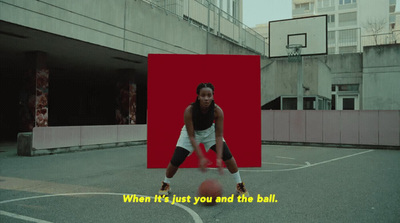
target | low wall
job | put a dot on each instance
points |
(371, 128)
(375, 128)
(56, 137)
(46, 140)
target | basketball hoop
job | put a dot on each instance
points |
(294, 52)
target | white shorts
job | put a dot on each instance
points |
(206, 137)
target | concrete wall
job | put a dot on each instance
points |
(374, 128)
(73, 136)
(376, 71)
(84, 21)
(346, 68)
(127, 25)
(324, 78)
(381, 78)
(279, 78)
(268, 76)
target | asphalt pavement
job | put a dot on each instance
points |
(294, 184)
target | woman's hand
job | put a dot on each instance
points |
(203, 163)
(219, 166)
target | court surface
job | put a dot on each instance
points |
(306, 184)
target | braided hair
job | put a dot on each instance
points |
(203, 85)
(196, 112)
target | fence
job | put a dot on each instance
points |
(351, 40)
(207, 16)
(374, 128)
(381, 39)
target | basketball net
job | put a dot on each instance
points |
(294, 52)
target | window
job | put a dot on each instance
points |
(289, 103)
(348, 87)
(346, 19)
(228, 8)
(345, 2)
(331, 37)
(234, 13)
(325, 3)
(348, 36)
(392, 19)
(305, 6)
(309, 103)
(348, 104)
(392, 8)
(321, 104)
(331, 19)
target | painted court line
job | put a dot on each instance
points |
(21, 217)
(308, 164)
(283, 157)
(282, 164)
(192, 213)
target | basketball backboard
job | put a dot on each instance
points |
(310, 32)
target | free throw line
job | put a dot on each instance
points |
(308, 164)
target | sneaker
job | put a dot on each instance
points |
(241, 190)
(165, 189)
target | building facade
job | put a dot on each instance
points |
(353, 24)
(80, 67)
(222, 18)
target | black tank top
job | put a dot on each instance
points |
(202, 121)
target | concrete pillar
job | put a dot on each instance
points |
(42, 90)
(126, 88)
(33, 101)
(33, 105)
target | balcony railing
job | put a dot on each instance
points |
(381, 39)
(351, 40)
(212, 19)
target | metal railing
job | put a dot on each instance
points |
(207, 16)
(381, 39)
(351, 40)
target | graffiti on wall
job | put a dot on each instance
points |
(125, 112)
(42, 95)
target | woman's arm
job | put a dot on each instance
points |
(219, 129)
(190, 130)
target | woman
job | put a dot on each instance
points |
(199, 118)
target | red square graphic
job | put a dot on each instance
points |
(172, 83)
